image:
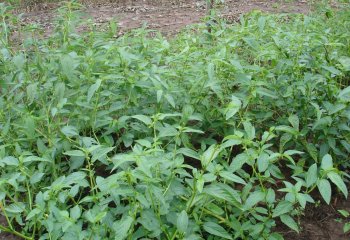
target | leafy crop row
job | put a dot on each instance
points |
(215, 135)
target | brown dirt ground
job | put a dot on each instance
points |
(320, 222)
(169, 17)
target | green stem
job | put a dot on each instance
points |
(156, 210)
(5, 214)
(5, 229)
(193, 196)
(216, 216)
(259, 178)
(29, 196)
(174, 235)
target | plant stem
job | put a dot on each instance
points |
(14, 232)
(5, 214)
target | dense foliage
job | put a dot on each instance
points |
(215, 135)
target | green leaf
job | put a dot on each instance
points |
(312, 150)
(168, 131)
(327, 162)
(266, 92)
(200, 183)
(9, 161)
(261, 23)
(212, 82)
(346, 227)
(336, 108)
(182, 222)
(322, 123)
(216, 229)
(60, 89)
(294, 120)
(232, 177)
(253, 199)
(101, 152)
(215, 208)
(69, 131)
(19, 60)
(36, 177)
(15, 208)
(75, 153)
(344, 213)
(230, 143)
(238, 162)
(75, 177)
(35, 159)
(233, 107)
(287, 129)
(68, 66)
(252, 43)
(144, 142)
(191, 130)
(120, 159)
(276, 236)
(301, 199)
(31, 92)
(285, 138)
(6, 127)
(263, 162)
(209, 177)
(344, 94)
(292, 152)
(121, 228)
(324, 187)
(338, 181)
(75, 212)
(145, 119)
(211, 72)
(224, 192)
(249, 129)
(170, 100)
(29, 127)
(332, 70)
(270, 196)
(209, 155)
(289, 221)
(159, 95)
(93, 88)
(33, 213)
(189, 153)
(311, 175)
(282, 208)
(345, 62)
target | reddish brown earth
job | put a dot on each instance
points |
(170, 16)
(320, 223)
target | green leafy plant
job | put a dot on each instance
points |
(215, 135)
(346, 215)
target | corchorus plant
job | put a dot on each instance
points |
(219, 135)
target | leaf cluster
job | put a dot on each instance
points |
(216, 135)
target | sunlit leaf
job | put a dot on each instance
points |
(216, 229)
(290, 222)
(182, 221)
(94, 87)
(324, 187)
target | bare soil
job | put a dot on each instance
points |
(320, 222)
(5, 235)
(169, 17)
